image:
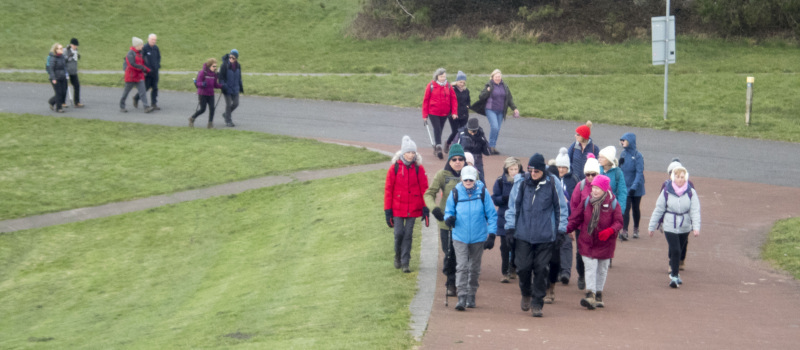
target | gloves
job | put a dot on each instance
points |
(204, 84)
(489, 244)
(605, 234)
(451, 221)
(389, 217)
(510, 235)
(426, 213)
(437, 213)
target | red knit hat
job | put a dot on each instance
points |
(584, 131)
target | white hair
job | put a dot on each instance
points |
(152, 35)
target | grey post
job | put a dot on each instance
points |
(749, 101)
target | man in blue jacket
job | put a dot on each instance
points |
(537, 213)
(230, 77)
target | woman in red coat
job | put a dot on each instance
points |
(599, 219)
(439, 103)
(406, 182)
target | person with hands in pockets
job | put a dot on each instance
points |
(206, 83)
(470, 213)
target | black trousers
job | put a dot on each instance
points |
(676, 243)
(506, 255)
(60, 89)
(150, 82)
(449, 263)
(455, 124)
(438, 126)
(555, 259)
(533, 263)
(632, 205)
(76, 88)
(579, 259)
(203, 101)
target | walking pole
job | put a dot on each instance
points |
(446, 258)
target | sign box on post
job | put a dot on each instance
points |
(660, 35)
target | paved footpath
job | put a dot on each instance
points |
(730, 299)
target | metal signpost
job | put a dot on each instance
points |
(664, 47)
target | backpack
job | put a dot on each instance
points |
(455, 201)
(613, 203)
(396, 166)
(518, 203)
(125, 63)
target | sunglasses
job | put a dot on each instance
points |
(468, 180)
(533, 170)
(457, 159)
(591, 174)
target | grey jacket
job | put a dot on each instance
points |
(72, 60)
(681, 214)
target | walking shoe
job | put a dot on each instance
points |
(505, 279)
(581, 283)
(438, 151)
(79, 105)
(512, 273)
(210, 125)
(536, 311)
(471, 301)
(493, 150)
(229, 124)
(462, 303)
(135, 103)
(588, 301)
(451, 290)
(564, 278)
(60, 110)
(682, 265)
(636, 233)
(673, 281)
(191, 122)
(149, 109)
(680, 281)
(52, 107)
(123, 110)
(551, 294)
(397, 262)
(623, 235)
(156, 107)
(598, 299)
(406, 269)
(525, 303)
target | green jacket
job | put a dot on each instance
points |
(444, 181)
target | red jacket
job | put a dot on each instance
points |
(134, 72)
(441, 101)
(579, 196)
(404, 190)
(590, 245)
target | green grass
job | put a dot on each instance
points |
(303, 265)
(52, 164)
(782, 248)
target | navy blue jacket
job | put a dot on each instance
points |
(540, 213)
(500, 194)
(632, 164)
(230, 79)
(577, 157)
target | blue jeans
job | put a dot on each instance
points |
(495, 122)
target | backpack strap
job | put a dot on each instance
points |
(613, 203)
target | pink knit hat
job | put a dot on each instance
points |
(602, 181)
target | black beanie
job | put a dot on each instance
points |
(537, 162)
(74, 41)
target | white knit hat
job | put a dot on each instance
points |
(469, 173)
(610, 153)
(562, 159)
(673, 165)
(679, 167)
(408, 145)
(470, 159)
(591, 166)
(136, 41)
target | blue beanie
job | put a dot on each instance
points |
(235, 53)
(461, 76)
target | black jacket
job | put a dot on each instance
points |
(152, 57)
(56, 66)
(463, 103)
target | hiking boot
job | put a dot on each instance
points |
(673, 281)
(588, 301)
(123, 110)
(623, 235)
(512, 273)
(60, 110)
(447, 148)
(636, 233)
(406, 269)
(581, 283)
(525, 303)
(191, 122)
(397, 262)
(149, 109)
(52, 107)
(598, 300)
(64, 105)
(505, 279)
(536, 311)
(551, 294)
(564, 278)
(438, 150)
(682, 265)
(135, 103)
(493, 150)
(229, 124)
(156, 107)
(462, 303)
(451, 290)
(79, 105)
(471, 301)
(210, 125)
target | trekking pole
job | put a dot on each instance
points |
(446, 257)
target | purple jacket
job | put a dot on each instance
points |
(210, 79)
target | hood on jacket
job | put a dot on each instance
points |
(399, 156)
(631, 138)
(133, 48)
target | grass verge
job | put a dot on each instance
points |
(297, 266)
(782, 248)
(52, 164)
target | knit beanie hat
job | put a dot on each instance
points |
(602, 181)
(469, 173)
(678, 169)
(609, 153)
(473, 124)
(74, 41)
(674, 164)
(235, 53)
(537, 162)
(585, 130)
(136, 41)
(562, 159)
(591, 166)
(408, 145)
(438, 72)
(455, 150)
(469, 158)
(461, 76)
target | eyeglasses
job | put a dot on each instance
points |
(534, 170)
(468, 180)
(457, 159)
(591, 174)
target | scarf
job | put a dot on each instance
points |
(596, 203)
(441, 84)
(680, 190)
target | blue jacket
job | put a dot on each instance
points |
(632, 164)
(538, 214)
(230, 79)
(475, 220)
(577, 157)
(500, 195)
(617, 185)
(568, 183)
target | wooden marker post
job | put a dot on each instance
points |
(749, 100)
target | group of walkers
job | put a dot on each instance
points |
(585, 194)
(141, 67)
